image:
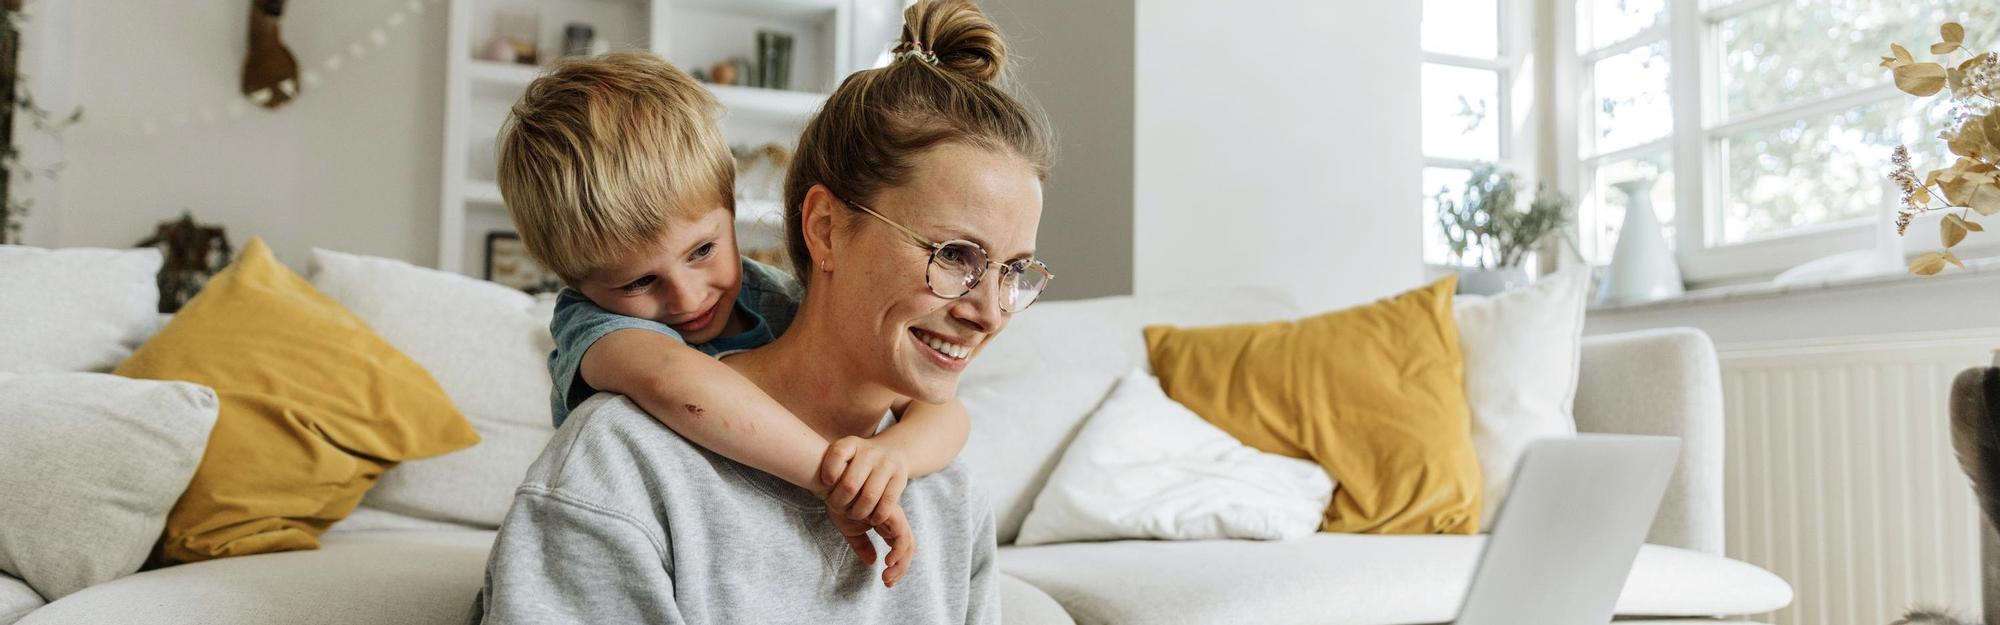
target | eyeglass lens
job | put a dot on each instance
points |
(957, 267)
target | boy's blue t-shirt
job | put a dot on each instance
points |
(769, 296)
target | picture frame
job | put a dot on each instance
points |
(508, 263)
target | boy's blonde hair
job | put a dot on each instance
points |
(601, 151)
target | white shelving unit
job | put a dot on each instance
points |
(832, 38)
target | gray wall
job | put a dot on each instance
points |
(354, 164)
(1076, 60)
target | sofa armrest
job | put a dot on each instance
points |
(1663, 382)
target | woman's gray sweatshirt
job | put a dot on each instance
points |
(623, 521)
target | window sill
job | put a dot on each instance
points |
(1975, 269)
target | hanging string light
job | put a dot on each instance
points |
(311, 75)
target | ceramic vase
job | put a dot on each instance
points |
(1642, 266)
(1490, 281)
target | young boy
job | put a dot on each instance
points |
(619, 181)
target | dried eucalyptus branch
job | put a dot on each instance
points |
(1972, 184)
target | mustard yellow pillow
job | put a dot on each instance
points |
(314, 407)
(1375, 394)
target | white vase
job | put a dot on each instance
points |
(1490, 281)
(1642, 267)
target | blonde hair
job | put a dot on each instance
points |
(943, 87)
(601, 151)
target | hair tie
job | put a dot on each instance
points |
(915, 49)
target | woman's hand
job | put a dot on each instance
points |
(894, 529)
(866, 479)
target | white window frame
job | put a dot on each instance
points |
(1516, 95)
(1695, 143)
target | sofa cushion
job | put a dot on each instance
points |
(17, 599)
(1334, 579)
(1521, 350)
(382, 578)
(1145, 466)
(1374, 393)
(1030, 389)
(426, 577)
(92, 463)
(75, 309)
(314, 407)
(1021, 603)
(487, 345)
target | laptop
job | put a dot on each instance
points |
(1572, 524)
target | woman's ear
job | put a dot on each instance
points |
(816, 221)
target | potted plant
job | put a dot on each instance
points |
(1971, 185)
(1489, 235)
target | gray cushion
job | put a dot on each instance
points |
(74, 309)
(93, 463)
(16, 600)
(1335, 579)
(381, 578)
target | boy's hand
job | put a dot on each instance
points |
(894, 529)
(866, 479)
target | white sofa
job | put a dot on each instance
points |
(1028, 394)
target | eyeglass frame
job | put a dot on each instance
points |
(936, 247)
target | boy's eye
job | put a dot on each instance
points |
(638, 284)
(704, 251)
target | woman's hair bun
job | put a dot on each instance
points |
(963, 38)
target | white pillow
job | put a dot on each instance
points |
(75, 309)
(1144, 466)
(488, 347)
(92, 464)
(1521, 351)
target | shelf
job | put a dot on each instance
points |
(483, 192)
(501, 79)
(782, 9)
(771, 105)
(507, 74)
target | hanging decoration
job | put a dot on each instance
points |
(270, 72)
(307, 75)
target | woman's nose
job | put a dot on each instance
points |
(980, 307)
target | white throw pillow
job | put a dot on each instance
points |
(1521, 352)
(488, 347)
(75, 309)
(1146, 467)
(89, 467)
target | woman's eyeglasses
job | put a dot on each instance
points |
(956, 267)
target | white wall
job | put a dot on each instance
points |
(354, 164)
(1278, 144)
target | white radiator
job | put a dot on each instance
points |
(1841, 477)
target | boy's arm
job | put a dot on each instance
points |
(707, 402)
(929, 435)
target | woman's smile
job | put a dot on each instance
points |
(946, 352)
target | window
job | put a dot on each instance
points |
(1468, 70)
(1626, 127)
(1792, 121)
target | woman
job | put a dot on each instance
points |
(911, 212)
